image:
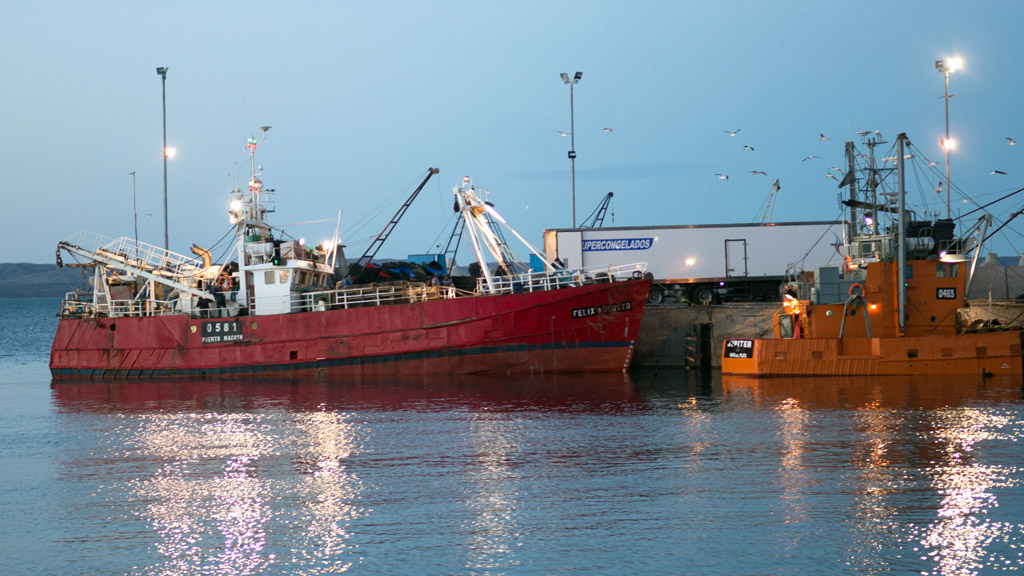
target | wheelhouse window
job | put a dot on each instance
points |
(268, 277)
(947, 270)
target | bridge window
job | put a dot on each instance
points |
(268, 277)
(947, 270)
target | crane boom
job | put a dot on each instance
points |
(769, 207)
(596, 219)
(375, 246)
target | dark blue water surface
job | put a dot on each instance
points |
(655, 473)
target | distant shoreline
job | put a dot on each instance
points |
(25, 280)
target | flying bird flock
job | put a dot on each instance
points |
(836, 174)
(733, 133)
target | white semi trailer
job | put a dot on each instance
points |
(705, 263)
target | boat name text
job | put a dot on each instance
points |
(739, 348)
(595, 310)
(219, 331)
(617, 244)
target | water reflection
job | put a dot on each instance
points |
(903, 392)
(555, 392)
(960, 539)
(218, 482)
(492, 497)
(935, 497)
(236, 477)
(293, 477)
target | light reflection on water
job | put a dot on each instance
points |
(950, 529)
(222, 480)
(657, 473)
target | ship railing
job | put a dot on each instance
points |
(131, 254)
(81, 305)
(378, 294)
(77, 304)
(541, 281)
(381, 294)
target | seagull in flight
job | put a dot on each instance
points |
(606, 129)
(731, 133)
(745, 147)
(1010, 141)
(758, 173)
(830, 175)
(562, 134)
(722, 176)
(1000, 172)
(811, 157)
(822, 137)
(836, 169)
(938, 189)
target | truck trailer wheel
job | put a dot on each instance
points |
(703, 294)
(656, 295)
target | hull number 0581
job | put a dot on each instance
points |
(218, 331)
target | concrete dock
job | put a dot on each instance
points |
(662, 341)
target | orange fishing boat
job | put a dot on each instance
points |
(895, 307)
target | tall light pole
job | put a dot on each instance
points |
(947, 66)
(135, 210)
(162, 71)
(572, 138)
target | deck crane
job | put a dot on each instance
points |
(596, 218)
(452, 247)
(375, 246)
(769, 206)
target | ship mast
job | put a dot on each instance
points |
(248, 213)
(480, 217)
(901, 250)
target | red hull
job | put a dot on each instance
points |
(582, 329)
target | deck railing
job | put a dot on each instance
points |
(80, 304)
(539, 281)
(361, 296)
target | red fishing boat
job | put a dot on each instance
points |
(277, 308)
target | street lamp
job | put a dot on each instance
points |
(162, 71)
(572, 138)
(135, 210)
(947, 66)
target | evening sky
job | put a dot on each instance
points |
(363, 97)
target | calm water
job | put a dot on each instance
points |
(652, 474)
